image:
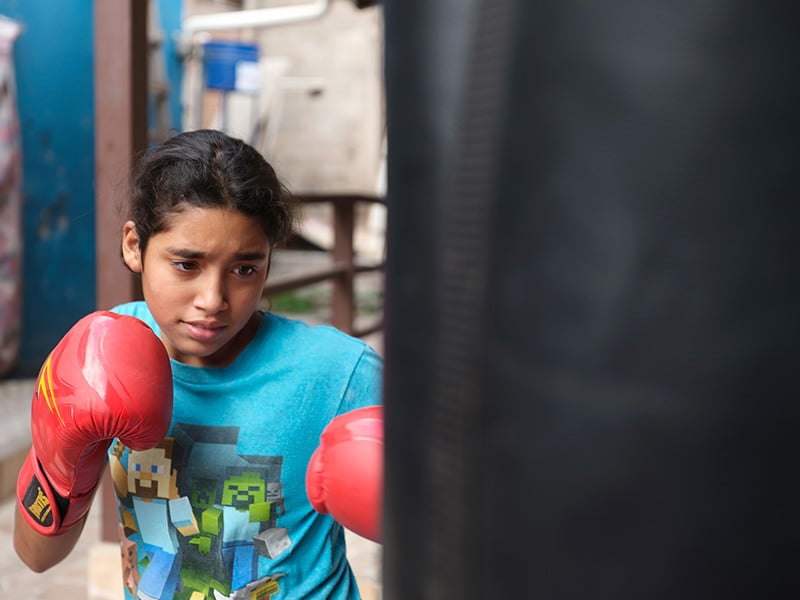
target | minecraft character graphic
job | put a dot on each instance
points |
(130, 571)
(150, 485)
(236, 500)
(245, 510)
(263, 589)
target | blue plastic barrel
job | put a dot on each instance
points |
(220, 59)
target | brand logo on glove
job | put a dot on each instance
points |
(38, 504)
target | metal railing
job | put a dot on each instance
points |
(343, 270)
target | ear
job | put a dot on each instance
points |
(130, 247)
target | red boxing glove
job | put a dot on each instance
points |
(345, 474)
(109, 377)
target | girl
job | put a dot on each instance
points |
(219, 509)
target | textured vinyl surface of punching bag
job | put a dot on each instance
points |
(592, 297)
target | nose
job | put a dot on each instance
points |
(211, 296)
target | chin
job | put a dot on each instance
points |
(193, 355)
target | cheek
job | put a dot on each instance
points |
(163, 296)
(160, 289)
(160, 278)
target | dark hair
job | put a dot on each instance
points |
(210, 169)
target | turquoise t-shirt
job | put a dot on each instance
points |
(220, 510)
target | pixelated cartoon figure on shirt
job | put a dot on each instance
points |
(130, 568)
(146, 483)
(237, 500)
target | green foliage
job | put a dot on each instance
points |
(292, 302)
(369, 301)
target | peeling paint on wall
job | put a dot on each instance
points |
(54, 59)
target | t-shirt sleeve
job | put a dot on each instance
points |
(365, 387)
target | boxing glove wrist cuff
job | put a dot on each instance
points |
(43, 508)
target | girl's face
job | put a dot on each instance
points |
(202, 279)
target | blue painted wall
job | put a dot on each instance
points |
(54, 69)
(54, 61)
(170, 15)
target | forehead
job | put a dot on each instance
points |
(212, 230)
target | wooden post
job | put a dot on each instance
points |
(120, 81)
(120, 76)
(343, 296)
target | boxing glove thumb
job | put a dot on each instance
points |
(109, 377)
(345, 475)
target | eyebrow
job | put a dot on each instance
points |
(195, 254)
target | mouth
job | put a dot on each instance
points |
(204, 331)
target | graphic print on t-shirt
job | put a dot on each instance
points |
(197, 517)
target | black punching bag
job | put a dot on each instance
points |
(592, 299)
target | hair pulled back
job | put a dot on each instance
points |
(208, 169)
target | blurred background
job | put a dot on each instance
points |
(97, 83)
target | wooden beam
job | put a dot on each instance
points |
(120, 83)
(343, 303)
(120, 94)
